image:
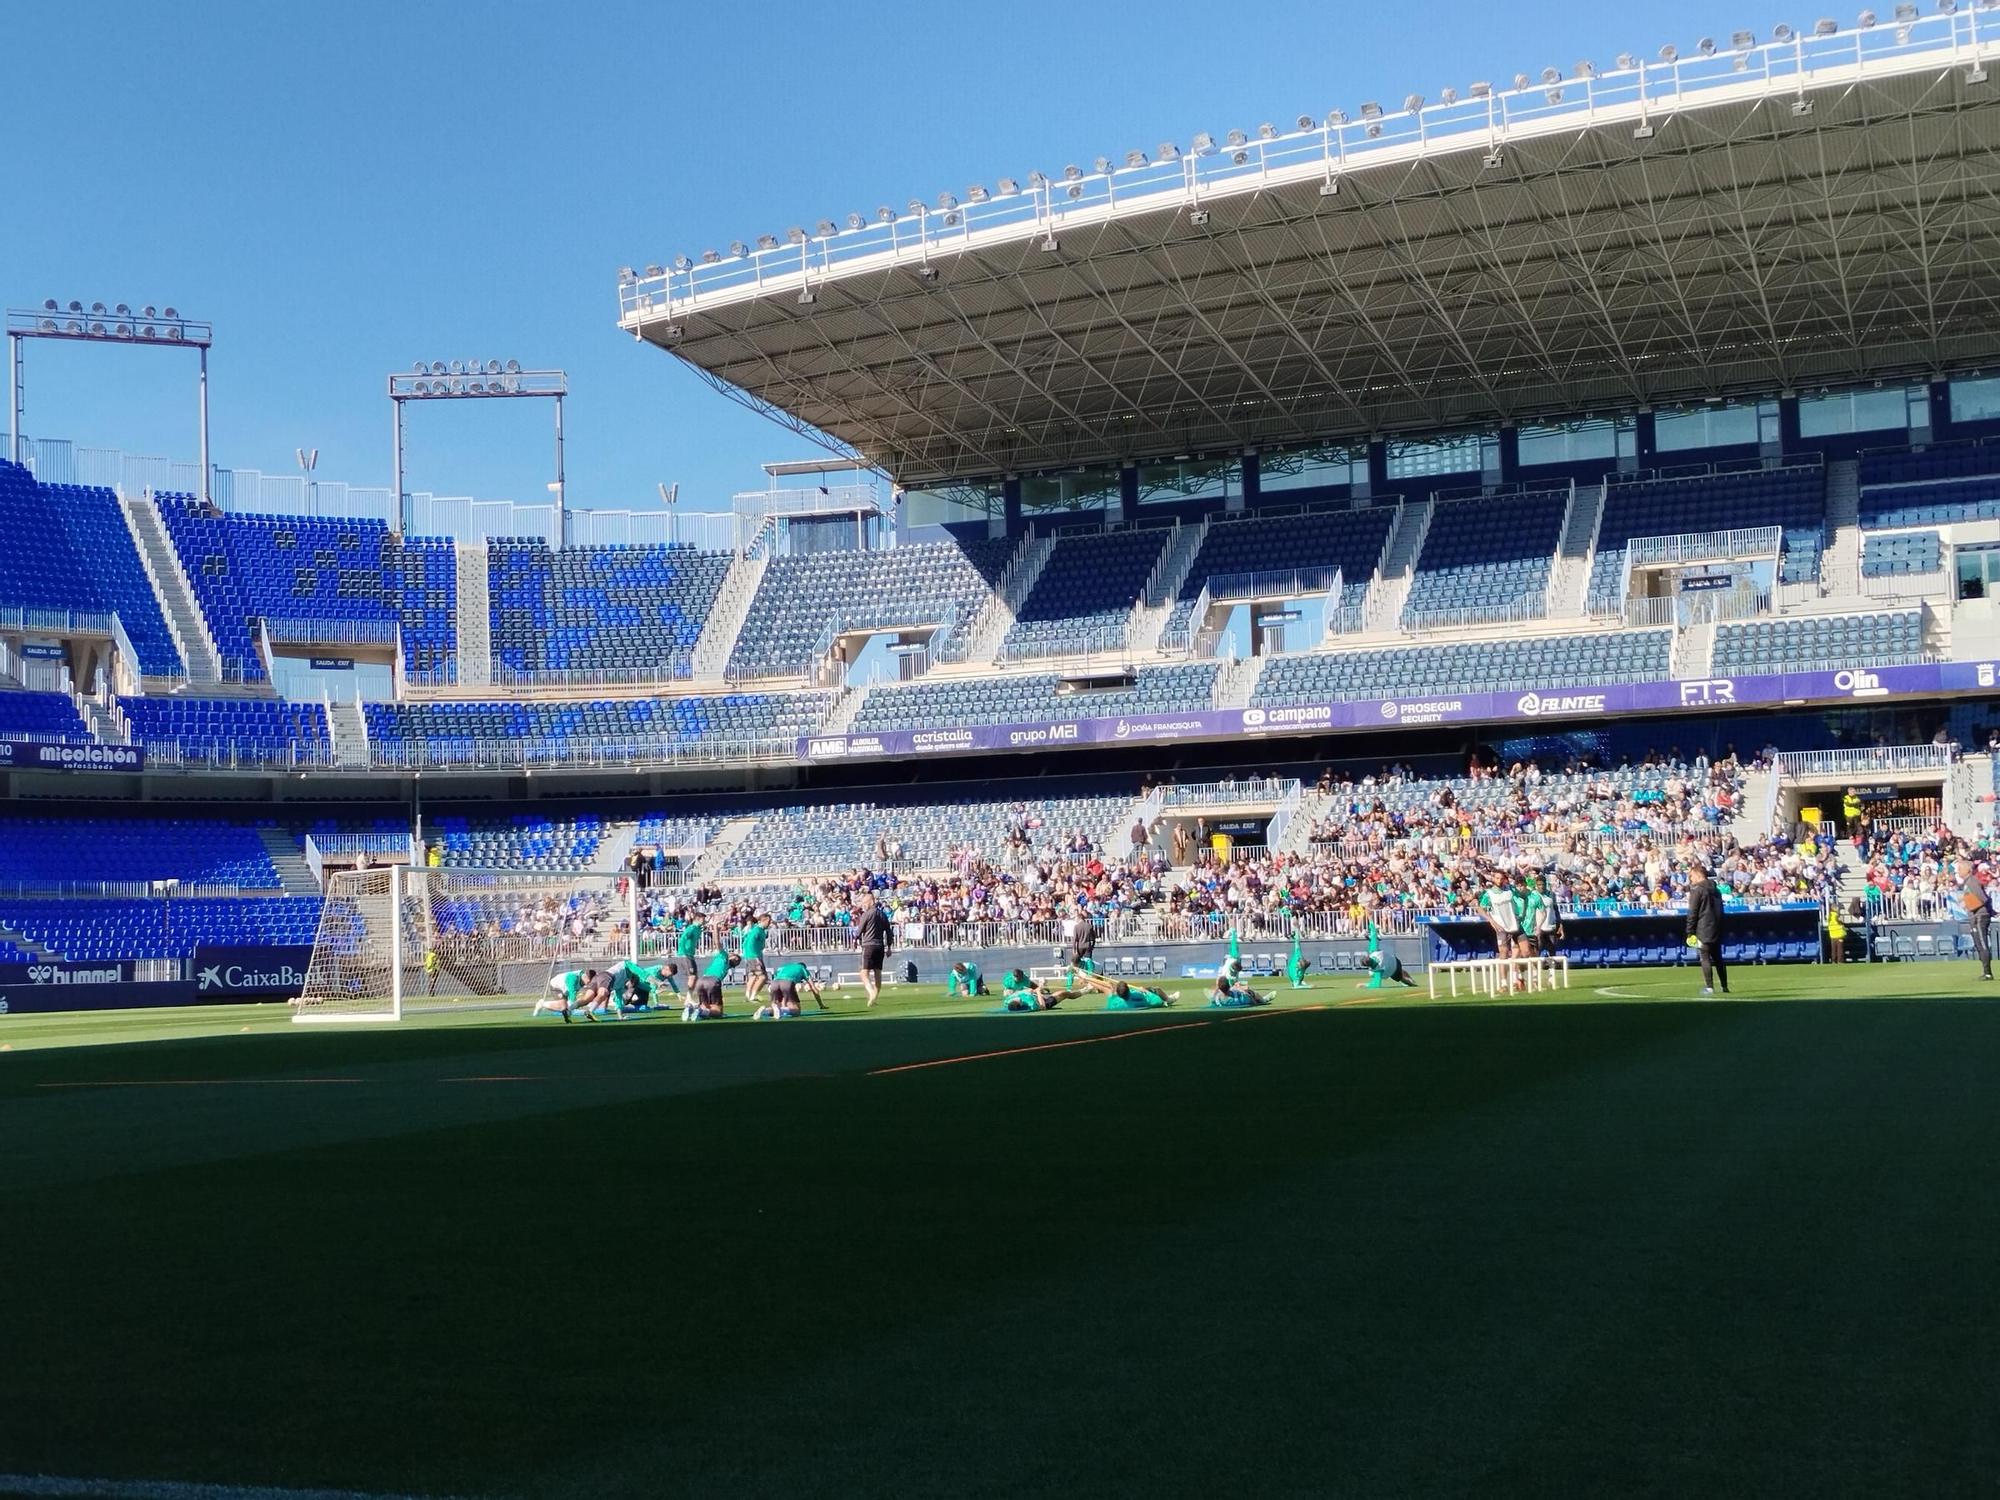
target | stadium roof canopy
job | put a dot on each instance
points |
(1755, 216)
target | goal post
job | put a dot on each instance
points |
(400, 940)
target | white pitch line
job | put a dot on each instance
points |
(59, 1488)
(1618, 994)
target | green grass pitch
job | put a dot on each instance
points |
(1611, 1241)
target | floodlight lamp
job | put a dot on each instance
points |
(1585, 68)
(1336, 117)
(1448, 95)
(927, 273)
(1824, 27)
(1374, 132)
(1038, 179)
(418, 368)
(492, 367)
(49, 326)
(656, 270)
(1203, 144)
(1906, 12)
(1627, 60)
(437, 367)
(767, 242)
(49, 304)
(626, 276)
(947, 200)
(122, 310)
(682, 263)
(1947, 7)
(124, 330)
(172, 314)
(1555, 96)
(97, 328)
(513, 367)
(75, 306)
(1669, 53)
(1782, 33)
(97, 307)
(886, 214)
(1480, 89)
(477, 387)
(1552, 75)
(855, 221)
(1371, 111)
(1075, 191)
(1522, 80)
(1103, 166)
(1742, 41)
(1008, 187)
(1134, 159)
(1413, 102)
(1236, 138)
(738, 249)
(826, 229)
(146, 312)
(72, 326)
(1865, 19)
(1267, 131)
(1198, 217)
(796, 235)
(977, 193)
(918, 207)
(1706, 46)
(711, 257)
(458, 367)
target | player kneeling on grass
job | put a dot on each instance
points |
(704, 1002)
(965, 980)
(785, 993)
(573, 990)
(1231, 993)
(637, 986)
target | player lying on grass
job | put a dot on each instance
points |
(1232, 993)
(1119, 995)
(1020, 993)
(578, 991)
(785, 993)
(1386, 966)
(965, 980)
(704, 1001)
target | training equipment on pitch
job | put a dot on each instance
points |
(398, 940)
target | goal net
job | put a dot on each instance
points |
(394, 941)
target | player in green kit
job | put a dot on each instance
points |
(1297, 964)
(704, 1002)
(785, 993)
(1383, 965)
(965, 980)
(636, 986)
(754, 937)
(686, 946)
(575, 992)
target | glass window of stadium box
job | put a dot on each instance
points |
(1975, 398)
(1321, 466)
(1891, 409)
(1978, 572)
(1078, 490)
(942, 504)
(1426, 458)
(1716, 426)
(1578, 442)
(1190, 479)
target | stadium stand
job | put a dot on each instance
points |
(429, 599)
(42, 716)
(1901, 553)
(1015, 699)
(803, 601)
(1351, 540)
(1484, 555)
(70, 549)
(631, 610)
(247, 728)
(840, 836)
(349, 576)
(193, 850)
(1085, 592)
(1465, 667)
(1793, 499)
(523, 841)
(1820, 642)
(1930, 486)
(445, 729)
(106, 930)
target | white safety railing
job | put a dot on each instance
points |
(1521, 611)
(506, 755)
(1704, 546)
(56, 621)
(1796, 765)
(672, 671)
(303, 632)
(172, 752)
(1228, 792)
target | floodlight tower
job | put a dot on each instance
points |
(163, 327)
(469, 380)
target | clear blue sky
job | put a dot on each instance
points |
(345, 188)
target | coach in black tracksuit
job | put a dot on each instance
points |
(1704, 925)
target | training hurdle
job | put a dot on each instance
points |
(1489, 976)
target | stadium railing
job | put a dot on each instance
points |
(124, 890)
(1527, 608)
(1793, 765)
(300, 632)
(233, 755)
(674, 671)
(1703, 546)
(1225, 793)
(504, 755)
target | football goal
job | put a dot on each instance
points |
(399, 940)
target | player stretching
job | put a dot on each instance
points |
(1020, 993)
(1298, 963)
(785, 993)
(577, 987)
(686, 946)
(755, 936)
(636, 986)
(965, 980)
(704, 1001)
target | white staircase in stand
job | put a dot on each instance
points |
(1694, 649)
(1297, 837)
(1569, 580)
(108, 725)
(1163, 589)
(293, 872)
(1236, 682)
(1116, 839)
(1384, 609)
(1840, 565)
(996, 616)
(732, 608)
(350, 733)
(1753, 812)
(846, 708)
(726, 841)
(171, 587)
(473, 614)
